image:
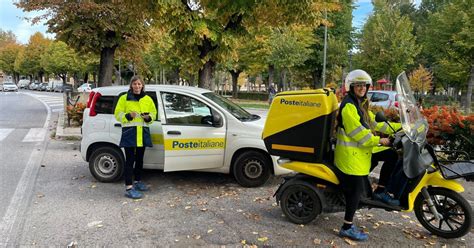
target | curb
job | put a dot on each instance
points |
(62, 132)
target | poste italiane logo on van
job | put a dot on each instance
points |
(194, 144)
(300, 103)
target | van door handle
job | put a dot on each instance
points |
(117, 125)
(174, 132)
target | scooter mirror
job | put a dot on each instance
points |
(380, 117)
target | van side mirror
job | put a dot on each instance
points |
(216, 120)
(380, 117)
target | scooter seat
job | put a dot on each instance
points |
(458, 169)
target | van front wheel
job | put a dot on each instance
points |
(106, 164)
(252, 169)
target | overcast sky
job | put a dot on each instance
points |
(11, 19)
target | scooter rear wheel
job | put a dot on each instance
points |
(300, 203)
(455, 211)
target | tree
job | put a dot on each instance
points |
(451, 43)
(100, 27)
(29, 61)
(6, 37)
(201, 29)
(8, 54)
(60, 60)
(387, 45)
(420, 80)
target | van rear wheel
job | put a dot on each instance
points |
(106, 164)
(252, 169)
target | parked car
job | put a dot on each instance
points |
(43, 86)
(383, 98)
(62, 88)
(35, 85)
(85, 87)
(196, 129)
(23, 83)
(9, 86)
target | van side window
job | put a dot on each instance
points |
(184, 110)
(104, 105)
(379, 97)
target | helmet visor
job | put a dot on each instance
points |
(359, 84)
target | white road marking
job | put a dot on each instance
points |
(35, 135)
(24, 190)
(4, 132)
(55, 105)
(57, 110)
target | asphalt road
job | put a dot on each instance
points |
(65, 205)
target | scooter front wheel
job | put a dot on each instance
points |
(300, 203)
(455, 213)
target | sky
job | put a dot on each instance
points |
(11, 19)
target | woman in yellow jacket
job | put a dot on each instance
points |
(135, 111)
(354, 147)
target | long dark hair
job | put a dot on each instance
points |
(135, 78)
(363, 104)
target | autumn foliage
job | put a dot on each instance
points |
(448, 128)
(75, 112)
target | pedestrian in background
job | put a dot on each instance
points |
(271, 93)
(135, 111)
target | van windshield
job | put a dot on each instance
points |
(231, 107)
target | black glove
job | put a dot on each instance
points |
(129, 117)
(146, 117)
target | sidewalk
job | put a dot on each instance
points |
(67, 132)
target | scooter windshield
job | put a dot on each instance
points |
(413, 122)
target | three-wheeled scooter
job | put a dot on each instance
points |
(300, 129)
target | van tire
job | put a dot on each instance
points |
(252, 169)
(106, 164)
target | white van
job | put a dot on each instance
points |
(196, 129)
(23, 83)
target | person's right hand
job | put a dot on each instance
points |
(384, 141)
(133, 114)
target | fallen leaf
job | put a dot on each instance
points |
(40, 195)
(256, 233)
(93, 186)
(350, 242)
(262, 239)
(317, 241)
(203, 209)
(406, 216)
(137, 200)
(99, 226)
(220, 222)
(137, 209)
(74, 178)
(240, 210)
(209, 231)
(196, 236)
(94, 223)
(187, 207)
(243, 241)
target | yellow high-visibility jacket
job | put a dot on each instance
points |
(355, 141)
(135, 132)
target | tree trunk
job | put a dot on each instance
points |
(235, 76)
(271, 72)
(86, 77)
(106, 67)
(283, 79)
(316, 76)
(470, 85)
(205, 75)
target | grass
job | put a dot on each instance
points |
(251, 103)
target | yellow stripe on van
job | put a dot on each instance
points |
(194, 144)
(157, 139)
(293, 148)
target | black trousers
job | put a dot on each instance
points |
(353, 187)
(390, 159)
(133, 155)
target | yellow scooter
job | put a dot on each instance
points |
(299, 129)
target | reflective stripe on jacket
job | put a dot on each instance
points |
(355, 142)
(135, 133)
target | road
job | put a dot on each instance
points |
(61, 203)
(24, 123)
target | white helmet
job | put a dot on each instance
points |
(357, 76)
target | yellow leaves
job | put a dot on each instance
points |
(263, 239)
(420, 79)
(350, 242)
